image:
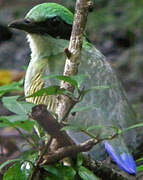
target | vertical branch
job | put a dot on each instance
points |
(73, 53)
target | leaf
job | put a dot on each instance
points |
(102, 87)
(54, 170)
(17, 121)
(8, 162)
(90, 128)
(63, 78)
(140, 168)
(30, 155)
(138, 160)
(79, 160)
(98, 88)
(19, 171)
(61, 172)
(47, 178)
(68, 172)
(116, 129)
(52, 90)
(80, 78)
(18, 107)
(84, 108)
(72, 127)
(15, 86)
(1, 94)
(26, 169)
(75, 81)
(131, 127)
(86, 174)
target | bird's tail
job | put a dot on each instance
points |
(118, 151)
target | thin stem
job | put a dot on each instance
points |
(38, 161)
(25, 137)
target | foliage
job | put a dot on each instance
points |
(21, 110)
(140, 167)
(15, 86)
(22, 168)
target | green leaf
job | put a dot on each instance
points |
(138, 160)
(1, 94)
(19, 171)
(63, 78)
(8, 162)
(98, 88)
(86, 174)
(80, 78)
(15, 86)
(131, 127)
(30, 155)
(140, 168)
(68, 172)
(79, 160)
(72, 127)
(116, 129)
(84, 108)
(18, 107)
(61, 172)
(54, 170)
(26, 169)
(52, 90)
(17, 121)
(78, 129)
(47, 178)
(90, 128)
(75, 81)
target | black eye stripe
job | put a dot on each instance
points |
(54, 27)
(56, 20)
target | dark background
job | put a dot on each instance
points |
(115, 28)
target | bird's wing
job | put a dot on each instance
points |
(109, 108)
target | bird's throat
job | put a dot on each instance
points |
(47, 55)
(43, 46)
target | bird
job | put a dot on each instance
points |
(48, 27)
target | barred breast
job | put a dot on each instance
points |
(37, 84)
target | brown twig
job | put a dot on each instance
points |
(50, 125)
(38, 161)
(67, 147)
(53, 128)
(69, 151)
(73, 53)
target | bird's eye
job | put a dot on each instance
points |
(55, 20)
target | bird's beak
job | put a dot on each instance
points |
(21, 24)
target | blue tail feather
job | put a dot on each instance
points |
(124, 160)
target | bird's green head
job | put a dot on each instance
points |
(45, 11)
(47, 18)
